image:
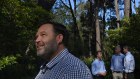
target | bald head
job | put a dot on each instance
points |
(50, 38)
(118, 49)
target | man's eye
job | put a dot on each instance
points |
(43, 34)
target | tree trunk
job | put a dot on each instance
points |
(117, 13)
(104, 24)
(89, 43)
(76, 30)
(98, 37)
(74, 7)
(127, 8)
(92, 25)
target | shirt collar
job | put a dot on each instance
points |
(119, 54)
(55, 60)
(128, 53)
(98, 59)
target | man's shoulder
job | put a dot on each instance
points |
(75, 65)
(130, 55)
(95, 61)
(71, 59)
(122, 55)
(114, 55)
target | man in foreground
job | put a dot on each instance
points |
(51, 40)
(98, 67)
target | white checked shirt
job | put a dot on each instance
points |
(64, 66)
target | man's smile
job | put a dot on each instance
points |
(40, 46)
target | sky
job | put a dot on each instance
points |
(137, 4)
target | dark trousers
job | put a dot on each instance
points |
(129, 76)
(98, 77)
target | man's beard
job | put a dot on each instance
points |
(49, 49)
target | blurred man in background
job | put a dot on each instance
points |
(98, 67)
(117, 64)
(129, 63)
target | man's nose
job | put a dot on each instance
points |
(38, 39)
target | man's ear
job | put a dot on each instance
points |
(59, 38)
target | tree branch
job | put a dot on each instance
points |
(71, 9)
(65, 4)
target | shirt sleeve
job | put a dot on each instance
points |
(94, 71)
(104, 69)
(123, 57)
(129, 63)
(112, 68)
(132, 63)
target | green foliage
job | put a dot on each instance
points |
(131, 32)
(114, 35)
(19, 20)
(8, 60)
(88, 60)
(113, 38)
